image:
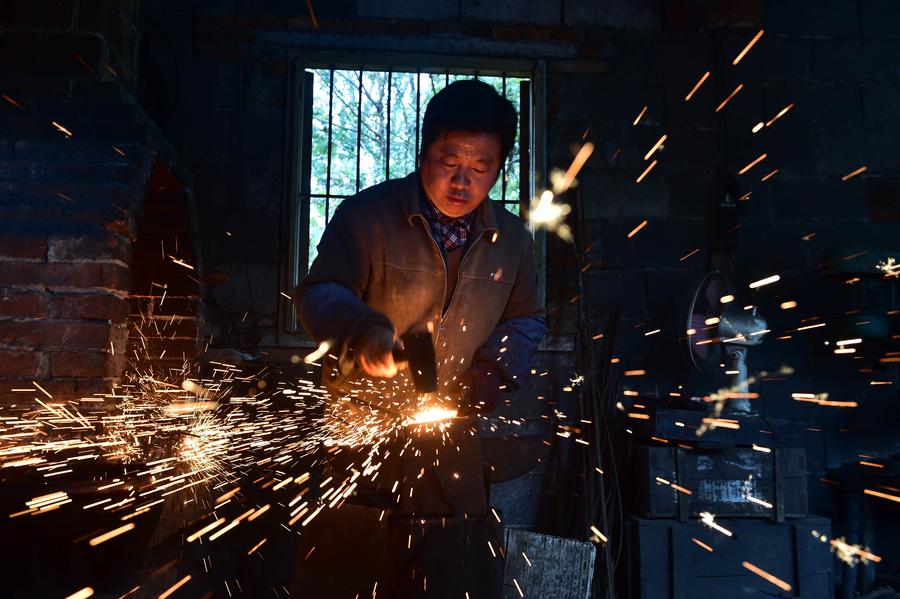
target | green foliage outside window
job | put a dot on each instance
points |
(360, 156)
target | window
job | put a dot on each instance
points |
(360, 125)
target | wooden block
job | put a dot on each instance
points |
(559, 567)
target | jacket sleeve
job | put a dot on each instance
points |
(511, 346)
(329, 300)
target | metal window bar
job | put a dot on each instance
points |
(359, 95)
(328, 165)
(387, 133)
(524, 135)
(418, 109)
(503, 169)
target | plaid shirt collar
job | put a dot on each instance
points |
(449, 232)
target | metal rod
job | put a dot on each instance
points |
(387, 153)
(418, 108)
(359, 97)
(328, 164)
(503, 169)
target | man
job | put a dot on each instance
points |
(430, 252)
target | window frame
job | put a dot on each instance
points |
(293, 234)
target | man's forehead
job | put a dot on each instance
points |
(468, 141)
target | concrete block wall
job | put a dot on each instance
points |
(215, 78)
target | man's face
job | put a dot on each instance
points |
(459, 169)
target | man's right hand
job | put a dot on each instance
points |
(374, 351)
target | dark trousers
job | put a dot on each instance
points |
(348, 553)
(432, 537)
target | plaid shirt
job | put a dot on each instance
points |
(449, 232)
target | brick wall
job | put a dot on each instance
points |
(79, 162)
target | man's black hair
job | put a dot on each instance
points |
(474, 106)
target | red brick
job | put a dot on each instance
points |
(17, 363)
(62, 389)
(167, 326)
(90, 307)
(79, 274)
(23, 305)
(45, 334)
(153, 348)
(28, 247)
(84, 364)
(88, 247)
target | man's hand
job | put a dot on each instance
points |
(374, 351)
(481, 385)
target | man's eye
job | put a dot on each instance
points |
(449, 164)
(480, 171)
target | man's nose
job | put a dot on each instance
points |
(460, 177)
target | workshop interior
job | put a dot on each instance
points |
(708, 196)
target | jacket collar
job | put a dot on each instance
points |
(414, 194)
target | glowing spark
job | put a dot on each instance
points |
(881, 495)
(11, 101)
(752, 164)
(639, 372)
(761, 448)
(768, 577)
(811, 326)
(599, 534)
(890, 267)
(635, 230)
(788, 305)
(765, 504)
(688, 255)
(688, 97)
(702, 544)
(111, 534)
(746, 49)
(653, 332)
(858, 171)
(766, 281)
(758, 127)
(61, 129)
(656, 146)
(257, 546)
(780, 114)
(710, 520)
(636, 120)
(726, 299)
(318, 353)
(432, 415)
(168, 592)
(205, 529)
(562, 184)
(545, 213)
(770, 175)
(730, 96)
(181, 263)
(647, 170)
(82, 594)
(518, 588)
(849, 341)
